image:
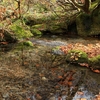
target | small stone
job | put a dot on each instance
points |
(44, 79)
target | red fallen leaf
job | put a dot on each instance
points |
(60, 77)
(57, 86)
(65, 51)
(26, 63)
(69, 83)
(70, 78)
(61, 83)
(4, 43)
(96, 71)
(59, 98)
(63, 47)
(37, 65)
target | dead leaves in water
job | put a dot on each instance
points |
(66, 79)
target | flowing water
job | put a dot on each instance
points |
(84, 93)
(33, 82)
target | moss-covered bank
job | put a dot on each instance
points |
(77, 56)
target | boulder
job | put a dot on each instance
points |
(20, 30)
(89, 24)
(7, 36)
(36, 32)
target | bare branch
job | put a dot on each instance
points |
(84, 7)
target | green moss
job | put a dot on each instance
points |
(77, 56)
(21, 31)
(28, 43)
(41, 27)
(94, 60)
(36, 32)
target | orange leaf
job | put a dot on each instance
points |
(37, 65)
(97, 71)
(60, 77)
(25, 63)
(69, 83)
(4, 43)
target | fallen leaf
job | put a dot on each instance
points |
(60, 77)
(80, 93)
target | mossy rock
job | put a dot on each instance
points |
(40, 27)
(88, 24)
(40, 19)
(49, 23)
(36, 32)
(21, 31)
(77, 56)
(94, 61)
(28, 43)
(57, 27)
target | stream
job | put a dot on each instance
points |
(82, 93)
(32, 75)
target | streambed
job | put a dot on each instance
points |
(32, 75)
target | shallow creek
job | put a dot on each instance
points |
(82, 92)
(56, 41)
(38, 79)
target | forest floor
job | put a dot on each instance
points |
(37, 74)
